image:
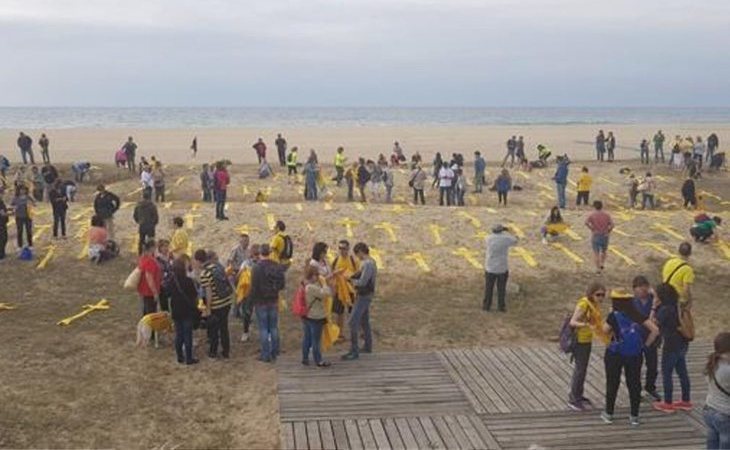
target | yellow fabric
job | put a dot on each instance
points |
(684, 277)
(179, 242)
(159, 321)
(344, 290)
(243, 287)
(330, 331)
(277, 246)
(101, 305)
(556, 228)
(584, 183)
(340, 160)
(292, 160)
(592, 315)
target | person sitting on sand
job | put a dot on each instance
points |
(101, 248)
(265, 170)
(704, 231)
(554, 225)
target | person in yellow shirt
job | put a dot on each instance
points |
(281, 245)
(291, 164)
(179, 242)
(678, 273)
(340, 161)
(586, 321)
(583, 187)
(344, 266)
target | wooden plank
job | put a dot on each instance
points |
(368, 440)
(485, 382)
(431, 433)
(456, 430)
(391, 430)
(446, 435)
(459, 381)
(418, 433)
(484, 433)
(326, 435)
(471, 382)
(521, 393)
(300, 436)
(555, 387)
(470, 432)
(287, 436)
(532, 379)
(494, 380)
(406, 434)
(381, 439)
(353, 435)
(340, 434)
(313, 435)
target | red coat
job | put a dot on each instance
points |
(148, 265)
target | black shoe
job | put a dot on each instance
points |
(212, 355)
(192, 361)
(226, 356)
(180, 360)
(350, 356)
(305, 362)
(224, 218)
(369, 350)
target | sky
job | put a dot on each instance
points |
(364, 53)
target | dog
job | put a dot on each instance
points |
(158, 322)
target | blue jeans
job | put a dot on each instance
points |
(220, 204)
(672, 361)
(267, 317)
(360, 319)
(312, 339)
(184, 338)
(561, 194)
(718, 428)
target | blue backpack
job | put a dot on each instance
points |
(629, 340)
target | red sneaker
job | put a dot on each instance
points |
(663, 407)
(684, 406)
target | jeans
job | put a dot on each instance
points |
(501, 281)
(246, 313)
(312, 339)
(418, 193)
(610, 153)
(46, 157)
(160, 193)
(218, 330)
(146, 191)
(267, 317)
(144, 234)
(445, 191)
(510, 154)
(25, 153)
(130, 163)
(658, 153)
(24, 223)
(184, 338)
(581, 355)
(647, 198)
(561, 194)
(718, 428)
(360, 319)
(631, 366)
(310, 190)
(672, 361)
(207, 196)
(3, 240)
(644, 156)
(59, 220)
(478, 182)
(599, 153)
(650, 357)
(220, 204)
(388, 194)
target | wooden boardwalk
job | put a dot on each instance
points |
(470, 398)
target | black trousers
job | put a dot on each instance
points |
(218, 331)
(631, 366)
(650, 358)
(3, 240)
(416, 194)
(445, 191)
(27, 225)
(220, 204)
(160, 193)
(500, 279)
(350, 186)
(144, 234)
(282, 156)
(59, 220)
(502, 197)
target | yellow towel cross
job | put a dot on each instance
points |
(389, 228)
(7, 306)
(474, 221)
(102, 305)
(436, 233)
(567, 252)
(44, 262)
(190, 220)
(667, 230)
(270, 221)
(38, 231)
(420, 260)
(518, 231)
(618, 253)
(525, 254)
(377, 257)
(470, 256)
(348, 223)
(658, 247)
(180, 180)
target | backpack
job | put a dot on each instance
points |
(567, 338)
(222, 286)
(702, 217)
(629, 341)
(299, 304)
(288, 251)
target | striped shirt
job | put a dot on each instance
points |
(208, 277)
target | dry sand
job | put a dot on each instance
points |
(173, 145)
(87, 386)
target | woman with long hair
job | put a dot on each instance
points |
(183, 302)
(717, 405)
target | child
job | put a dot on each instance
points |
(554, 225)
(688, 193)
(120, 159)
(179, 241)
(584, 187)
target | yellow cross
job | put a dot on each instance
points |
(518, 231)
(474, 221)
(299, 207)
(309, 226)
(572, 234)
(264, 205)
(6, 306)
(657, 247)
(724, 248)
(470, 256)
(125, 205)
(195, 206)
(481, 234)
(420, 260)
(328, 206)
(39, 230)
(523, 175)
(621, 233)
(83, 213)
(84, 250)
(270, 221)
(247, 229)
(168, 205)
(613, 183)
(102, 305)
(348, 226)
(43, 262)
(436, 233)
(667, 230)
(711, 195)
(389, 229)
(134, 244)
(526, 255)
(190, 220)
(360, 206)
(491, 210)
(377, 257)
(618, 253)
(136, 191)
(567, 252)
(245, 190)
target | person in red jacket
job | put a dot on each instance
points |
(222, 180)
(260, 148)
(151, 278)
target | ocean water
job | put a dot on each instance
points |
(29, 118)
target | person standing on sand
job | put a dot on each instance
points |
(561, 178)
(59, 205)
(260, 148)
(583, 188)
(340, 161)
(712, 143)
(281, 149)
(22, 205)
(587, 323)
(601, 225)
(218, 300)
(363, 177)
(480, 166)
(350, 175)
(150, 279)
(105, 205)
(496, 266)
(267, 280)
(130, 150)
(146, 217)
(44, 142)
(25, 144)
(364, 282)
(418, 183)
(511, 147)
(183, 300)
(445, 179)
(194, 146)
(503, 184)
(221, 181)
(644, 151)
(610, 146)
(658, 146)
(600, 145)
(520, 149)
(291, 164)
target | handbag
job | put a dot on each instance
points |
(686, 323)
(133, 279)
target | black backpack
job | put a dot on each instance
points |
(222, 286)
(288, 251)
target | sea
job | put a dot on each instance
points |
(260, 117)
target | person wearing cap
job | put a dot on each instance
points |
(601, 225)
(496, 266)
(644, 303)
(623, 353)
(267, 280)
(105, 205)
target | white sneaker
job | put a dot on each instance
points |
(544, 241)
(244, 337)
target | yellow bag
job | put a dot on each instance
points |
(330, 334)
(243, 287)
(344, 290)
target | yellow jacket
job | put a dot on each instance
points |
(584, 183)
(179, 242)
(277, 246)
(340, 160)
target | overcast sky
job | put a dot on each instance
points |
(364, 52)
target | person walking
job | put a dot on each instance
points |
(364, 282)
(644, 151)
(496, 266)
(600, 145)
(221, 182)
(184, 305)
(587, 322)
(25, 144)
(260, 148)
(561, 178)
(59, 205)
(130, 150)
(480, 166)
(146, 217)
(644, 303)
(717, 404)
(658, 146)
(623, 354)
(22, 205)
(315, 292)
(218, 300)
(267, 280)
(280, 143)
(44, 143)
(106, 204)
(418, 183)
(511, 147)
(601, 224)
